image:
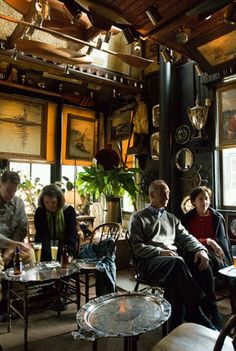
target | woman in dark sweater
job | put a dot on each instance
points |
(208, 226)
(54, 220)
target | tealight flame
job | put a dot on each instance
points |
(122, 308)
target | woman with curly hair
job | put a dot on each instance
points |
(54, 220)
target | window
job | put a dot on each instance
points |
(226, 108)
(229, 176)
(32, 170)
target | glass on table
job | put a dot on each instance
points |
(37, 251)
(54, 249)
(234, 254)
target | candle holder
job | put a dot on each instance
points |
(198, 117)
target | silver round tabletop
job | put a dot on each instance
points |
(42, 271)
(121, 314)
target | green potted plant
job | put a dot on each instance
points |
(110, 183)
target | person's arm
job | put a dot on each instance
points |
(137, 238)
(70, 230)
(39, 224)
(20, 220)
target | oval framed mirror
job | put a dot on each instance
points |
(184, 159)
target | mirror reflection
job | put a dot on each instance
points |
(184, 159)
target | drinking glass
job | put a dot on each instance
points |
(37, 251)
(54, 248)
(234, 254)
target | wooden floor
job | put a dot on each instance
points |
(48, 332)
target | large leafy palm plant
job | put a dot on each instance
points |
(113, 183)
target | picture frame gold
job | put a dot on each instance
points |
(226, 107)
(23, 129)
(119, 124)
(81, 137)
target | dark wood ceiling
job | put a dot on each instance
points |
(211, 43)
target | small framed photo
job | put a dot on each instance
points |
(80, 137)
(154, 145)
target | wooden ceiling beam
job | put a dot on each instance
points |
(20, 29)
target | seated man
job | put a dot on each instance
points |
(13, 223)
(167, 254)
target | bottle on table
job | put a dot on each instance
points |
(17, 262)
(64, 257)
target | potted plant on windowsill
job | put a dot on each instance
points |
(109, 183)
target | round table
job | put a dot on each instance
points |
(122, 314)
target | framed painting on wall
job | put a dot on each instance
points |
(81, 137)
(119, 124)
(226, 102)
(23, 127)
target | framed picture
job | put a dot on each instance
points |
(81, 137)
(155, 116)
(154, 145)
(23, 127)
(226, 102)
(214, 51)
(119, 124)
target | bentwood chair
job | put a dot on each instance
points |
(88, 270)
(188, 336)
(141, 281)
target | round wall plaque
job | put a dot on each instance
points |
(182, 134)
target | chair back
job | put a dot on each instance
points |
(132, 254)
(105, 231)
(229, 328)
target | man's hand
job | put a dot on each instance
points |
(202, 259)
(168, 253)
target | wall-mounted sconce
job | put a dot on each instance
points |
(153, 14)
(15, 56)
(67, 69)
(165, 54)
(107, 37)
(230, 13)
(99, 44)
(89, 51)
(128, 35)
(198, 70)
(182, 37)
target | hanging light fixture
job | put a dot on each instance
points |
(230, 13)
(107, 37)
(165, 54)
(153, 14)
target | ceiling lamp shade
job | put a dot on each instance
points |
(230, 13)
(153, 14)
